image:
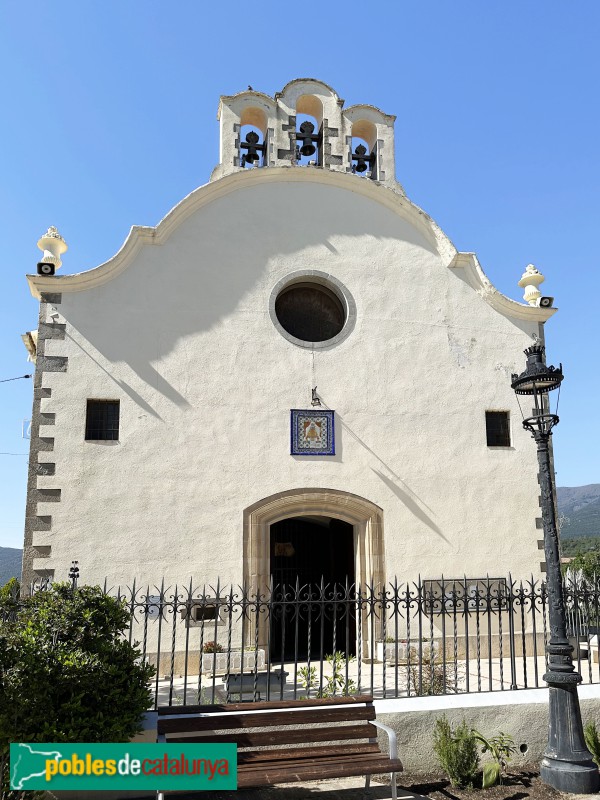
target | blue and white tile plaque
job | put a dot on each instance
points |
(313, 432)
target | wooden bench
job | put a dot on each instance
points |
(288, 741)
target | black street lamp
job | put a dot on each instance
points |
(567, 764)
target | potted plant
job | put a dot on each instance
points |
(216, 660)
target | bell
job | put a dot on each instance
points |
(360, 156)
(308, 148)
(251, 141)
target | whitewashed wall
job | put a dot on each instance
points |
(180, 333)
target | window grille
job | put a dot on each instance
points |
(497, 428)
(102, 420)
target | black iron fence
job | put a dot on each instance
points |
(441, 636)
(404, 639)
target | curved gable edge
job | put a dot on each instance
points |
(479, 281)
(140, 235)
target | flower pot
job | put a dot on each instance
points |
(397, 652)
(218, 663)
(391, 652)
(240, 683)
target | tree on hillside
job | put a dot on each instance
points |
(586, 565)
(582, 544)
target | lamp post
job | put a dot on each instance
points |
(567, 764)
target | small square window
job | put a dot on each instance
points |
(102, 420)
(497, 428)
(199, 611)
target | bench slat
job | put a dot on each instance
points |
(256, 756)
(268, 777)
(274, 737)
(293, 764)
(313, 716)
(266, 705)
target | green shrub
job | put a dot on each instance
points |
(500, 747)
(433, 677)
(592, 741)
(66, 672)
(334, 684)
(456, 751)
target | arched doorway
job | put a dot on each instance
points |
(312, 556)
(366, 520)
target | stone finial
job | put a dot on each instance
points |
(530, 280)
(53, 246)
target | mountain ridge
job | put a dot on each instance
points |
(10, 563)
(579, 510)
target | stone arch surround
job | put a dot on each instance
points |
(365, 517)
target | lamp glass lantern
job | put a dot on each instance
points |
(537, 380)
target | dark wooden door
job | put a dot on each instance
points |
(312, 558)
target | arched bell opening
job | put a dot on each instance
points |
(311, 105)
(364, 144)
(309, 131)
(253, 135)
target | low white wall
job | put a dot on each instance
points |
(523, 714)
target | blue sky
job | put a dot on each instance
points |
(110, 119)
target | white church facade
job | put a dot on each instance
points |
(294, 374)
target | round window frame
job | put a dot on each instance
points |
(333, 285)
